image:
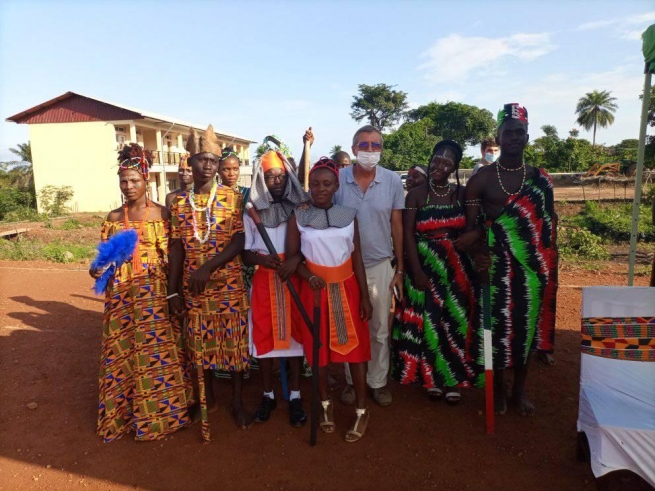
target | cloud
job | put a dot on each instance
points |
(463, 55)
(623, 28)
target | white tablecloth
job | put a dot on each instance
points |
(617, 397)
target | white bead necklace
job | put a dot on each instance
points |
(208, 212)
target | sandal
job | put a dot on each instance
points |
(435, 394)
(327, 417)
(453, 397)
(359, 428)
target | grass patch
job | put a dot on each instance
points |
(581, 244)
(613, 222)
(27, 249)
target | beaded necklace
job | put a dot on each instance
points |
(434, 188)
(208, 212)
(500, 181)
(137, 266)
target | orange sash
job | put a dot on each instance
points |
(280, 309)
(343, 335)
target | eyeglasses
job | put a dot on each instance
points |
(375, 146)
(278, 178)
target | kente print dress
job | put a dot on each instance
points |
(432, 340)
(143, 384)
(217, 319)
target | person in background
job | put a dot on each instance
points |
(417, 176)
(378, 196)
(185, 176)
(490, 152)
(342, 159)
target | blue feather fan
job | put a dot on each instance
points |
(112, 254)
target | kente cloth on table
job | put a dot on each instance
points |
(523, 273)
(344, 335)
(144, 385)
(275, 324)
(617, 394)
(217, 329)
(433, 338)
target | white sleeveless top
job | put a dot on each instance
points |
(254, 241)
(328, 247)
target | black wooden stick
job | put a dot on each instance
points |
(315, 366)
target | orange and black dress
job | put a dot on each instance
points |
(143, 384)
(217, 320)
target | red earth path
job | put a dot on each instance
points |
(50, 330)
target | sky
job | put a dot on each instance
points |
(257, 68)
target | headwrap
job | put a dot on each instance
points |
(139, 163)
(512, 111)
(184, 162)
(206, 142)
(227, 153)
(325, 163)
(451, 145)
(420, 169)
(272, 160)
(273, 214)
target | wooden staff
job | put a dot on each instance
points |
(305, 163)
(488, 356)
(315, 366)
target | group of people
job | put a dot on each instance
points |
(211, 286)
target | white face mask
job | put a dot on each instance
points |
(490, 157)
(368, 160)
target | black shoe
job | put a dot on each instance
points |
(297, 415)
(263, 412)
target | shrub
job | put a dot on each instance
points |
(614, 222)
(15, 201)
(53, 199)
(581, 244)
(70, 224)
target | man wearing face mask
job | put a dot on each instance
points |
(377, 195)
(490, 153)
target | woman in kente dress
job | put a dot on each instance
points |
(433, 343)
(143, 386)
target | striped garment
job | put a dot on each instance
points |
(523, 273)
(432, 340)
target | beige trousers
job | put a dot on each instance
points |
(378, 278)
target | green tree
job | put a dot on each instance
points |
(19, 172)
(411, 144)
(335, 150)
(467, 125)
(53, 199)
(596, 109)
(379, 104)
(261, 150)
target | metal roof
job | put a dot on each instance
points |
(74, 107)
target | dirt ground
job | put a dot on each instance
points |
(49, 345)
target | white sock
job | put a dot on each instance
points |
(295, 394)
(270, 395)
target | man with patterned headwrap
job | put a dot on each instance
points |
(275, 329)
(518, 206)
(206, 240)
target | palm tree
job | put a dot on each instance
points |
(20, 171)
(595, 109)
(335, 150)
